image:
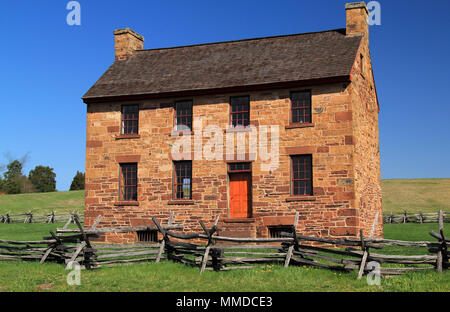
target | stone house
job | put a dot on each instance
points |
(312, 95)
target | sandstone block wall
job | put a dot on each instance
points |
(340, 139)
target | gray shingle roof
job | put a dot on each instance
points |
(230, 64)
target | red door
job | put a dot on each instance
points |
(240, 195)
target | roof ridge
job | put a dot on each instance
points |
(241, 40)
(265, 61)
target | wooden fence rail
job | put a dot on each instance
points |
(95, 255)
(415, 217)
(209, 251)
(30, 217)
(52, 217)
(296, 249)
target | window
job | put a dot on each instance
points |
(183, 180)
(301, 175)
(275, 231)
(128, 182)
(147, 236)
(301, 107)
(240, 111)
(183, 115)
(362, 64)
(240, 167)
(130, 119)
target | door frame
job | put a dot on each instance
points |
(249, 190)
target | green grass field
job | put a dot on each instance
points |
(419, 195)
(42, 203)
(27, 232)
(166, 276)
(411, 195)
(171, 277)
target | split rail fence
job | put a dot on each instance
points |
(30, 217)
(416, 217)
(209, 251)
(53, 217)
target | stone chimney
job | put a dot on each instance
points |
(127, 41)
(357, 19)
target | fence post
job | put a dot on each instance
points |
(28, 217)
(68, 221)
(51, 247)
(295, 243)
(165, 237)
(210, 242)
(163, 242)
(84, 243)
(442, 251)
(366, 248)
(216, 253)
(96, 222)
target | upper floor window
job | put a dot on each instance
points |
(128, 182)
(301, 107)
(240, 111)
(301, 175)
(130, 119)
(182, 180)
(183, 115)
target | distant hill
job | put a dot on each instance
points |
(416, 195)
(41, 203)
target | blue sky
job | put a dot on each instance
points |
(46, 66)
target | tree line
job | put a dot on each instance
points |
(40, 179)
